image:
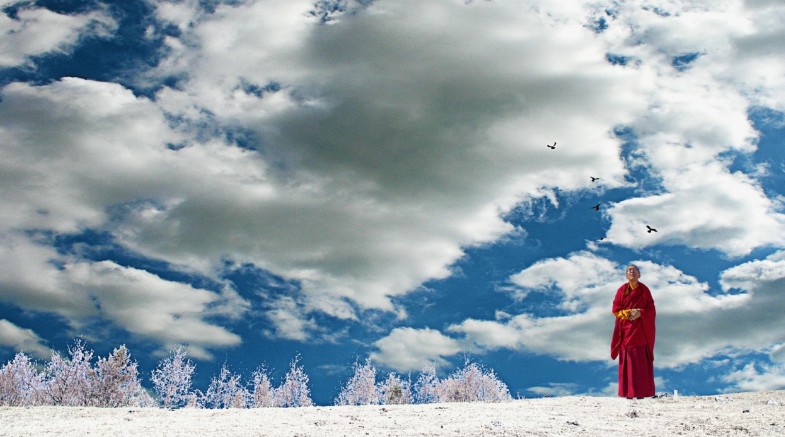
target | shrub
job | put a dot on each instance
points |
(69, 381)
(361, 388)
(20, 383)
(172, 380)
(114, 382)
(225, 391)
(425, 389)
(395, 391)
(117, 382)
(472, 384)
(294, 391)
(263, 394)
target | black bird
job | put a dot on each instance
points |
(553, 146)
(596, 207)
(649, 229)
(593, 179)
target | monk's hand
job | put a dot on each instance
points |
(634, 314)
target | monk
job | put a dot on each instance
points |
(633, 336)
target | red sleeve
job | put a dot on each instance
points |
(649, 315)
(616, 337)
(617, 301)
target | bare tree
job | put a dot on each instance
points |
(20, 383)
(361, 389)
(395, 391)
(69, 381)
(426, 386)
(263, 394)
(225, 391)
(117, 381)
(114, 382)
(472, 383)
(294, 391)
(172, 379)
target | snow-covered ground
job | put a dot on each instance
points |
(761, 413)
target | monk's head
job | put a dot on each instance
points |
(633, 273)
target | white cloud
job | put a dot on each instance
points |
(421, 147)
(75, 148)
(36, 31)
(30, 280)
(578, 337)
(694, 116)
(136, 301)
(149, 306)
(692, 324)
(75, 153)
(487, 332)
(22, 340)
(707, 208)
(180, 13)
(581, 278)
(756, 378)
(756, 275)
(394, 149)
(397, 137)
(288, 320)
(756, 60)
(408, 349)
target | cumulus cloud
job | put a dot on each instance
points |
(22, 340)
(756, 377)
(409, 349)
(30, 279)
(134, 300)
(417, 142)
(77, 152)
(360, 159)
(696, 115)
(148, 306)
(36, 31)
(692, 322)
(288, 320)
(708, 208)
(392, 150)
(75, 148)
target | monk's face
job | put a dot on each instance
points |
(632, 273)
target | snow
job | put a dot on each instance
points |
(752, 413)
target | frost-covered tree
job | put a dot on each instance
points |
(472, 383)
(225, 391)
(172, 380)
(294, 391)
(263, 394)
(361, 388)
(117, 381)
(426, 386)
(20, 383)
(395, 391)
(69, 381)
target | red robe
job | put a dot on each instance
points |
(634, 341)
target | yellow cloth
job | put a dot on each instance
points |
(623, 314)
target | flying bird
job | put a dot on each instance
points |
(551, 147)
(649, 229)
(593, 179)
(596, 207)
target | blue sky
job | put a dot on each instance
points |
(343, 180)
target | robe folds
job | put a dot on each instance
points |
(634, 340)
